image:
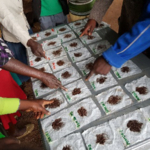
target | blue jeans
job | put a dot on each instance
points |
(48, 22)
(19, 52)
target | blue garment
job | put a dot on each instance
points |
(131, 43)
(19, 52)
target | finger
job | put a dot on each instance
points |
(91, 31)
(42, 115)
(43, 110)
(45, 102)
(85, 31)
(63, 88)
(89, 75)
(42, 54)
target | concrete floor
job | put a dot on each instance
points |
(113, 13)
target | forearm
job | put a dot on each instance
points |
(129, 44)
(9, 105)
(18, 67)
(99, 9)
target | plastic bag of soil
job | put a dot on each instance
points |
(86, 39)
(60, 63)
(84, 112)
(76, 91)
(99, 47)
(79, 30)
(86, 66)
(132, 127)
(67, 75)
(36, 37)
(47, 33)
(62, 29)
(79, 54)
(58, 104)
(73, 141)
(72, 45)
(102, 137)
(128, 69)
(77, 24)
(67, 37)
(55, 53)
(113, 100)
(140, 88)
(99, 82)
(102, 26)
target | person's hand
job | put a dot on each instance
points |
(4, 142)
(101, 66)
(36, 48)
(90, 26)
(51, 81)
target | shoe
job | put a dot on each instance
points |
(29, 129)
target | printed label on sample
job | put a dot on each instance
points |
(124, 137)
(93, 85)
(74, 119)
(117, 74)
(84, 72)
(73, 59)
(94, 50)
(135, 96)
(48, 137)
(66, 49)
(31, 63)
(104, 106)
(90, 147)
(68, 97)
(54, 67)
(36, 92)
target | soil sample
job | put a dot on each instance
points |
(34, 38)
(51, 43)
(62, 29)
(43, 86)
(57, 124)
(60, 63)
(77, 24)
(55, 104)
(142, 90)
(125, 69)
(77, 54)
(47, 33)
(82, 112)
(67, 147)
(67, 36)
(101, 80)
(66, 75)
(101, 138)
(134, 125)
(89, 66)
(74, 44)
(101, 25)
(113, 100)
(57, 52)
(42, 69)
(90, 37)
(37, 59)
(99, 47)
(76, 91)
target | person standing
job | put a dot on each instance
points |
(50, 13)
(15, 32)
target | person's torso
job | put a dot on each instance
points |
(16, 9)
(50, 7)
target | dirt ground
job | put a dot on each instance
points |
(34, 138)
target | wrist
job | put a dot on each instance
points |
(30, 42)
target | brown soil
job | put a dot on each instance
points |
(67, 147)
(134, 125)
(60, 63)
(57, 52)
(62, 29)
(67, 36)
(73, 44)
(47, 33)
(77, 24)
(77, 54)
(99, 47)
(125, 69)
(66, 75)
(55, 104)
(101, 138)
(42, 69)
(76, 91)
(57, 124)
(89, 66)
(113, 100)
(43, 86)
(37, 59)
(90, 37)
(51, 43)
(101, 25)
(82, 112)
(142, 90)
(101, 80)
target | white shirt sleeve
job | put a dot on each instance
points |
(8, 20)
